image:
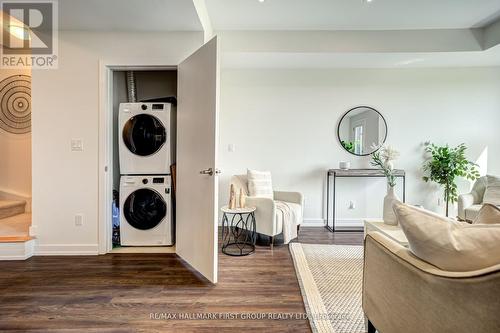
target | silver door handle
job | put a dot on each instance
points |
(208, 171)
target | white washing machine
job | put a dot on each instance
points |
(144, 138)
(146, 211)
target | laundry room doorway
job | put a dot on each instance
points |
(188, 89)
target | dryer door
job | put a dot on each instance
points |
(144, 209)
(144, 134)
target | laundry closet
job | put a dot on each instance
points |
(144, 155)
(158, 172)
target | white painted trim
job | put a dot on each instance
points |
(319, 222)
(353, 222)
(105, 195)
(17, 250)
(313, 223)
(33, 230)
(66, 249)
(206, 23)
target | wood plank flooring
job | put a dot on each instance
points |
(121, 292)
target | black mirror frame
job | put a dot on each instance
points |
(345, 114)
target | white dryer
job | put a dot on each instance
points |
(146, 211)
(144, 138)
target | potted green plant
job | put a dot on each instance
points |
(444, 165)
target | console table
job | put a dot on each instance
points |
(333, 174)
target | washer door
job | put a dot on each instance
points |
(144, 134)
(144, 209)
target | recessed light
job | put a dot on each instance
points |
(261, 1)
(368, 1)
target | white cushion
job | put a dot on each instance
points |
(448, 244)
(260, 184)
(492, 192)
(489, 214)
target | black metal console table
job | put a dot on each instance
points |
(348, 173)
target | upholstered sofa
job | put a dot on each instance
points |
(402, 293)
(470, 204)
(268, 220)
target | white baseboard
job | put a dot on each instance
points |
(66, 249)
(343, 223)
(313, 223)
(17, 250)
(348, 223)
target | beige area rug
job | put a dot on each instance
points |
(330, 278)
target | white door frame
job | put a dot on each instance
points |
(105, 165)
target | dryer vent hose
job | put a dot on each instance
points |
(131, 87)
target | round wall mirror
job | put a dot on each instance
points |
(362, 130)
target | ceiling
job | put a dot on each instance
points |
(128, 15)
(351, 14)
(296, 15)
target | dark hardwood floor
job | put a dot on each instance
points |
(120, 292)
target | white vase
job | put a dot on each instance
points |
(389, 199)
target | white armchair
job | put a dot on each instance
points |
(469, 204)
(268, 222)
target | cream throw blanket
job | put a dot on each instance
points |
(290, 215)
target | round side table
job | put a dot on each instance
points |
(238, 231)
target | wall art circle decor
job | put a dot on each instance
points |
(15, 104)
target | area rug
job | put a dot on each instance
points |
(330, 278)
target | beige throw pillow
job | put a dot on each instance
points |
(489, 214)
(492, 192)
(448, 244)
(260, 184)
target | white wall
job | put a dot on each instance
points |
(285, 121)
(65, 106)
(15, 155)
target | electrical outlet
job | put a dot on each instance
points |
(231, 148)
(352, 205)
(79, 220)
(439, 202)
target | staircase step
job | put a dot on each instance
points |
(15, 226)
(11, 207)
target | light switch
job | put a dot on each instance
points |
(231, 148)
(76, 145)
(78, 220)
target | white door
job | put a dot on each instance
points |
(197, 180)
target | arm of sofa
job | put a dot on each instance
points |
(402, 293)
(265, 215)
(293, 197)
(464, 202)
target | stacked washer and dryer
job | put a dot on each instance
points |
(146, 149)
